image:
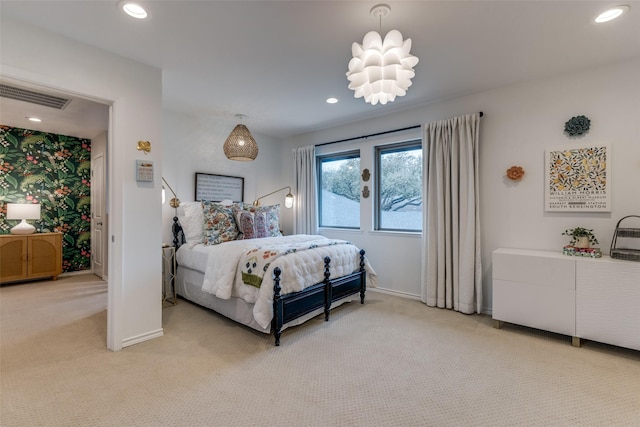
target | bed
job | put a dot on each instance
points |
(233, 259)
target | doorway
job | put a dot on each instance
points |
(80, 117)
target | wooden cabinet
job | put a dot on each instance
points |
(592, 298)
(32, 256)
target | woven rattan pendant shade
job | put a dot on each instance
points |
(240, 145)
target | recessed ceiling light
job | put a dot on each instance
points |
(611, 14)
(34, 119)
(133, 9)
(332, 100)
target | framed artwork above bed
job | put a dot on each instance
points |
(216, 188)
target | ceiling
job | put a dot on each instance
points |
(278, 61)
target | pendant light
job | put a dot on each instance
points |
(240, 144)
(380, 69)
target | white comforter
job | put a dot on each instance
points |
(300, 269)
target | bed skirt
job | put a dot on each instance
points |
(189, 286)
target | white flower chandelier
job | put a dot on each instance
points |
(381, 70)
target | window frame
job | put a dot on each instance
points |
(379, 150)
(343, 155)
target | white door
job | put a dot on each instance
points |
(98, 221)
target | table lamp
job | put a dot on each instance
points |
(23, 211)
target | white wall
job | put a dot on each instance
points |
(402, 250)
(520, 122)
(194, 144)
(134, 90)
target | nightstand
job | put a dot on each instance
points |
(169, 296)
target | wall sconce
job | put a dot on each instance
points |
(174, 202)
(23, 211)
(288, 199)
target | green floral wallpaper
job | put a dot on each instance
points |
(55, 171)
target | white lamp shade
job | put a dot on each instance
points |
(23, 211)
(288, 200)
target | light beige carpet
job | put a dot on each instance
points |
(390, 362)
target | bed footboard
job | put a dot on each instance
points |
(321, 295)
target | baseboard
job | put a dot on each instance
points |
(484, 310)
(75, 273)
(142, 337)
(396, 293)
(82, 272)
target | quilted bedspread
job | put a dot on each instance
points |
(255, 262)
(301, 268)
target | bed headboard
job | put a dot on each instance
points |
(178, 233)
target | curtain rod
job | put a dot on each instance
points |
(374, 134)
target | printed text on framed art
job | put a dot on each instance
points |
(578, 179)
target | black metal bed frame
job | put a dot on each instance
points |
(288, 307)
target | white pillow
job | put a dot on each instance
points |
(191, 217)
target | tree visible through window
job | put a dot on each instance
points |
(339, 192)
(399, 184)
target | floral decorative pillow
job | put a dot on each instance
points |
(272, 215)
(252, 225)
(219, 224)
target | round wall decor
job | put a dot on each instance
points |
(577, 125)
(515, 173)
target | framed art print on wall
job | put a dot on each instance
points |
(216, 188)
(578, 179)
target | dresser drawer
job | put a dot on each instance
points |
(543, 269)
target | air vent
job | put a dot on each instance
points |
(33, 97)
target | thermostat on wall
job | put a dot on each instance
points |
(144, 170)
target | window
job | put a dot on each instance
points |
(399, 187)
(339, 190)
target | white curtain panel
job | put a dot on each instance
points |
(452, 270)
(304, 179)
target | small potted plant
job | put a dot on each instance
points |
(581, 237)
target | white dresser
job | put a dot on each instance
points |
(592, 298)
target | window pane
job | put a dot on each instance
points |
(399, 198)
(339, 195)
